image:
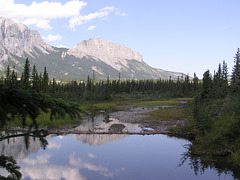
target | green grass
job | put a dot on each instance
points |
(184, 99)
(156, 103)
(103, 106)
(118, 105)
(43, 120)
(167, 114)
(116, 127)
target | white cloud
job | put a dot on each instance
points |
(78, 163)
(92, 28)
(81, 19)
(40, 23)
(91, 155)
(62, 46)
(117, 12)
(41, 14)
(40, 168)
(41, 159)
(52, 38)
(53, 145)
(51, 172)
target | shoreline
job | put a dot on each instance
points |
(134, 119)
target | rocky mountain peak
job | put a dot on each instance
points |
(104, 57)
(17, 38)
(115, 55)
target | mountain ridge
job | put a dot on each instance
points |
(101, 57)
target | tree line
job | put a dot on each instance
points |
(104, 90)
(108, 89)
(215, 113)
(28, 97)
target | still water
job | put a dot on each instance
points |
(94, 156)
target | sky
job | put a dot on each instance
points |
(175, 35)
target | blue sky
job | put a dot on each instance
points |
(177, 35)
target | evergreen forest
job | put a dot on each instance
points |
(213, 116)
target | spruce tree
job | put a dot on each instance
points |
(195, 82)
(225, 71)
(45, 80)
(8, 76)
(224, 78)
(235, 78)
(26, 75)
(207, 89)
(35, 78)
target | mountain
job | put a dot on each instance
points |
(16, 147)
(98, 56)
(98, 139)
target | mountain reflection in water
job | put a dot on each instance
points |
(98, 139)
(17, 148)
(101, 121)
(98, 156)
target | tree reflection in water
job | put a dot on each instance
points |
(201, 163)
(8, 163)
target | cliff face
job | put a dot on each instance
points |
(103, 57)
(16, 147)
(17, 38)
(113, 54)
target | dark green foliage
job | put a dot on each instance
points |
(207, 105)
(235, 78)
(23, 103)
(207, 87)
(109, 89)
(216, 113)
(35, 79)
(26, 75)
(28, 100)
(45, 80)
(9, 164)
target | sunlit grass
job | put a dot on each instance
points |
(43, 120)
(116, 127)
(103, 106)
(119, 105)
(184, 99)
(156, 103)
(167, 114)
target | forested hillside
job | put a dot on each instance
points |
(27, 98)
(104, 90)
(215, 114)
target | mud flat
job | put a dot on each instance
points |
(134, 120)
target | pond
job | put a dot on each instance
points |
(116, 156)
(100, 122)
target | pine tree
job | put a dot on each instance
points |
(45, 80)
(53, 85)
(26, 75)
(14, 78)
(235, 78)
(224, 78)
(107, 89)
(207, 89)
(225, 71)
(195, 83)
(35, 78)
(8, 76)
(217, 83)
